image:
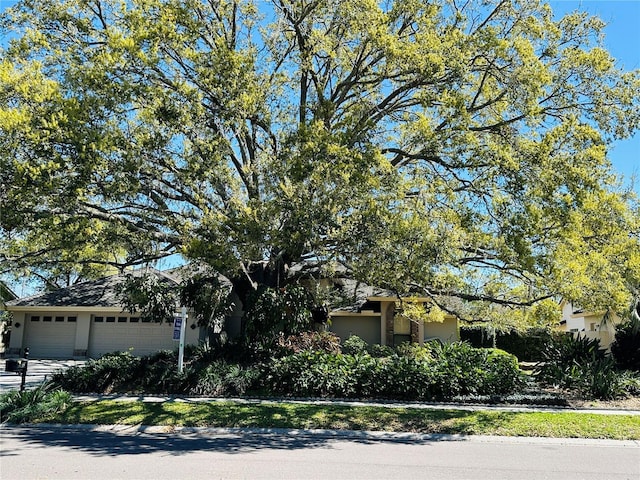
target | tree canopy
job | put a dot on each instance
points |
(450, 149)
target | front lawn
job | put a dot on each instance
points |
(341, 417)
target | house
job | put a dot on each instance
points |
(87, 320)
(374, 314)
(6, 295)
(592, 324)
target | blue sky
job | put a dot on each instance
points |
(622, 40)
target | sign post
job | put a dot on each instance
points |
(179, 330)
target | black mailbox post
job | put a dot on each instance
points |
(18, 365)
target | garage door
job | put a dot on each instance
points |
(50, 336)
(128, 334)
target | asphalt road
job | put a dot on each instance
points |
(71, 453)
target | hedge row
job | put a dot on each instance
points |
(528, 346)
(410, 373)
(433, 372)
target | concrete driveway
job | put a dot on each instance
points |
(37, 371)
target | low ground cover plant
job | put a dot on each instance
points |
(38, 404)
(578, 364)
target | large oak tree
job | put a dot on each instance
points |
(447, 148)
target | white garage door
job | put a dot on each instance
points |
(128, 334)
(50, 336)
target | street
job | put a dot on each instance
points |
(102, 453)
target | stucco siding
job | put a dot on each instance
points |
(364, 326)
(447, 331)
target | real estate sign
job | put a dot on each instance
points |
(177, 325)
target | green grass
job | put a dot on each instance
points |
(308, 416)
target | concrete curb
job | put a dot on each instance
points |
(362, 435)
(350, 403)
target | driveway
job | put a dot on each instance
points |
(37, 371)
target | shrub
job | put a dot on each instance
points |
(626, 346)
(310, 341)
(313, 374)
(502, 373)
(600, 379)
(354, 345)
(271, 312)
(527, 345)
(222, 379)
(380, 351)
(124, 373)
(413, 373)
(41, 403)
(579, 364)
(111, 373)
(565, 358)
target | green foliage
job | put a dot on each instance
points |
(354, 345)
(274, 312)
(626, 346)
(209, 298)
(414, 373)
(220, 379)
(565, 357)
(38, 404)
(380, 351)
(577, 363)
(204, 374)
(155, 297)
(111, 373)
(310, 341)
(527, 345)
(460, 151)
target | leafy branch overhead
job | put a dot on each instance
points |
(459, 149)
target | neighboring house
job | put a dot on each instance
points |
(6, 295)
(589, 324)
(87, 320)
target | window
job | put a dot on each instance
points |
(98, 319)
(134, 320)
(59, 319)
(122, 319)
(71, 319)
(46, 319)
(146, 320)
(35, 318)
(111, 319)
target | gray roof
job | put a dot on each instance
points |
(96, 293)
(350, 295)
